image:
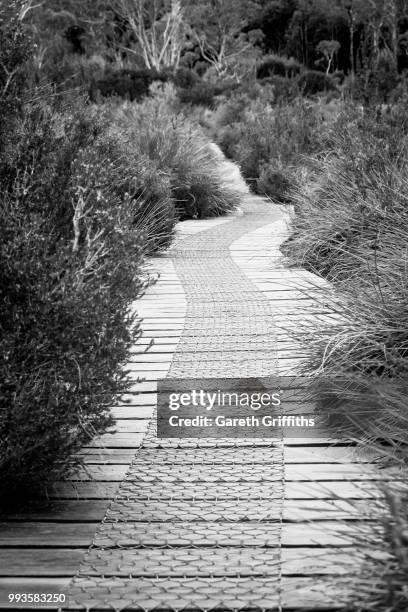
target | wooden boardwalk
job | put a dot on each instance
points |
(293, 560)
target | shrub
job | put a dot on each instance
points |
(275, 182)
(129, 84)
(336, 220)
(186, 78)
(85, 192)
(275, 65)
(351, 226)
(283, 88)
(313, 82)
(70, 256)
(204, 93)
(180, 152)
(255, 133)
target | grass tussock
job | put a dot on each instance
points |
(268, 138)
(350, 226)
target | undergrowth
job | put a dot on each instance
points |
(351, 227)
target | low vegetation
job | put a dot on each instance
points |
(86, 192)
(350, 226)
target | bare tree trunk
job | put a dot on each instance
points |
(159, 34)
(393, 14)
(352, 23)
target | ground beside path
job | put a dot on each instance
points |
(197, 524)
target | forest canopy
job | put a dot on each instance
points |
(328, 35)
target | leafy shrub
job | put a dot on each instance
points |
(283, 88)
(186, 78)
(130, 84)
(312, 82)
(275, 65)
(256, 133)
(70, 255)
(275, 182)
(204, 93)
(180, 152)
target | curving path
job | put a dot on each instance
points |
(201, 524)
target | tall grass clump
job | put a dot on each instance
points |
(179, 150)
(351, 227)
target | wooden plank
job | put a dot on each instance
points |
(107, 455)
(132, 412)
(141, 399)
(149, 357)
(100, 473)
(305, 561)
(83, 490)
(118, 440)
(337, 471)
(325, 533)
(148, 349)
(316, 594)
(155, 343)
(328, 454)
(40, 562)
(306, 473)
(41, 534)
(130, 426)
(332, 490)
(138, 371)
(74, 510)
(295, 510)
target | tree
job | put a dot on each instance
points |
(328, 48)
(221, 28)
(157, 29)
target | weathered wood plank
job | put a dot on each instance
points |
(333, 509)
(132, 412)
(118, 440)
(40, 562)
(75, 510)
(295, 490)
(328, 454)
(83, 490)
(47, 534)
(100, 473)
(337, 471)
(107, 455)
(332, 490)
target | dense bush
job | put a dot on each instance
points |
(312, 82)
(275, 182)
(205, 93)
(263, 137)
(276, 65)
(86, 192)
(179, 151)
(70, 255)
(130, 84)
(351, 226)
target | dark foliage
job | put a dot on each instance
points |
(276, 65)
(313, 82)
(129, 84)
